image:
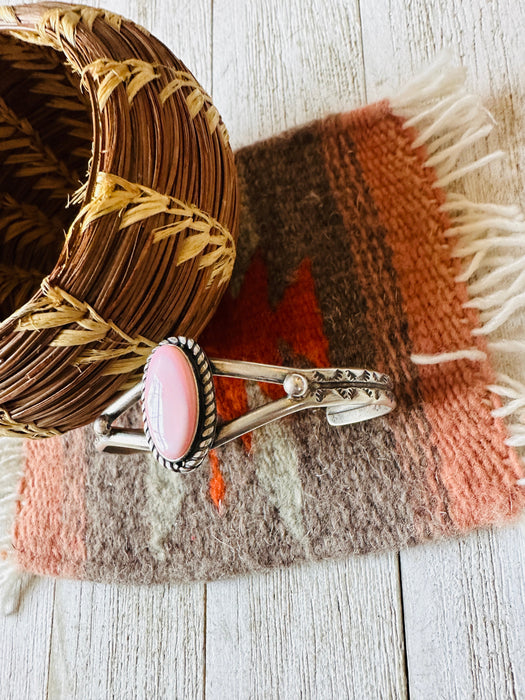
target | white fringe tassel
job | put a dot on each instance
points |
(11, 577)
(490, 237)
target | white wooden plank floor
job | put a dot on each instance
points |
(440, 621)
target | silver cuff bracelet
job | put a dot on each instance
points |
(180, 412)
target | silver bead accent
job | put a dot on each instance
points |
(295, 385)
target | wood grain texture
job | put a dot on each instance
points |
(126, 642)
(332, 630)
(464, 616)
(336, 629)
(25, 644)
(279, 64)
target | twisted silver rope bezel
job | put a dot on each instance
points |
(207, 407)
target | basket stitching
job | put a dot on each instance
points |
(195, 102)
(56, 308)
(11, 428)
(181, 79)
(26, 222)
(135, 74)
(17, 280)
(80, 129)
(61, 23)
(42, 65)
(136, 202)
(31, 156)
(8, 14)
(27, 57)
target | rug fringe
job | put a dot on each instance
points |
(11, 577)
(513, 393)
(490, 237)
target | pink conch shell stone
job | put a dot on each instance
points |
(171, 402)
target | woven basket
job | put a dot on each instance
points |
(118, 210)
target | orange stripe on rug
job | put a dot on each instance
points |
(217, 485)
(50, 523)
(38, 526)
(479, 471)
(74, 510)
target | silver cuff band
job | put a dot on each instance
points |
(347, 395)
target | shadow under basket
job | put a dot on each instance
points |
(118, 210)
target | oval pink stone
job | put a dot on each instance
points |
(171, 401)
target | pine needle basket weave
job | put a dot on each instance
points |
(118, 210)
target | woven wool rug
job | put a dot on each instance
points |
(357, 249)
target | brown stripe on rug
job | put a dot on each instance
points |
(377, 278)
